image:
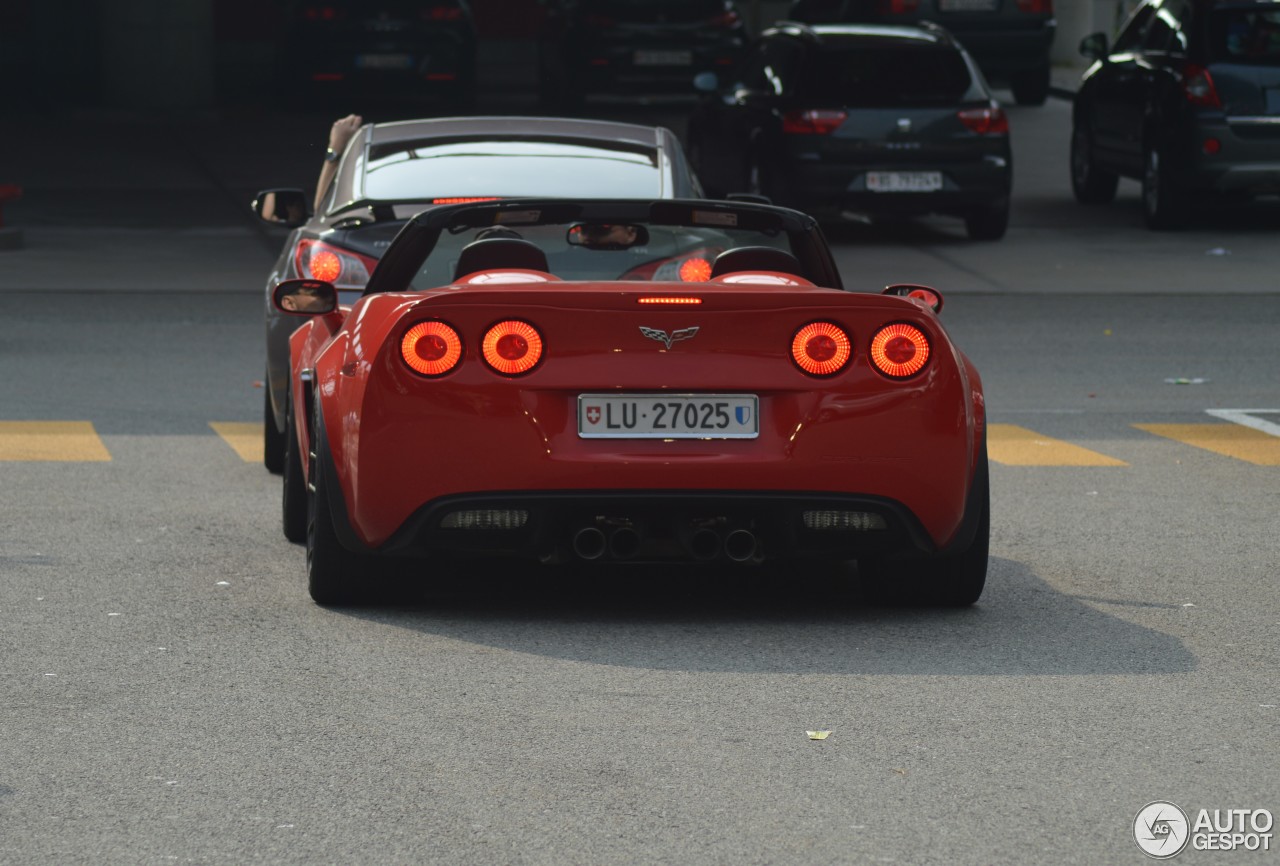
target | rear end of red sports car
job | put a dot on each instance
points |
(740, 418)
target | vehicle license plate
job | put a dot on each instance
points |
(904, 181)
(968, 5)
(384, 61)
(668, 416)
(663, 58)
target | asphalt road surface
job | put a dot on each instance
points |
(171, 694)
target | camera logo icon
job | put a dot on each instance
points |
(1161, 830)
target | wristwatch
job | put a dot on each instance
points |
(332, 155)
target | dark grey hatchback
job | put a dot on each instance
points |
(1187, 100)
(847, 121)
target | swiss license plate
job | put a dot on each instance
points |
(384, 61)
(668, 416)
(904, 181)
(968, 5)
(663, 58)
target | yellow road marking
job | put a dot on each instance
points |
(1229, 440)
(51, 440)
(245, 439)
(1017, 446)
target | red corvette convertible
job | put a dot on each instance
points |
(645, 381)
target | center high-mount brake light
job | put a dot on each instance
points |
(463, 199)
(431, 348)
(674, 300)
(821, 348)
(512, 347)
(899, 350)
(898, 7)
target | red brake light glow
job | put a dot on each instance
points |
(813, 121)
(899, 7)
(986, 121)
(899, 350)
(1042, 7)
(674, 300)
(821, 348)
(463, 199)
(512, 347)
(431, 348)
(695, 271)
(317, 260)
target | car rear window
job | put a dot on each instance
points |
(1250, 36)
(510, 169)
(887, 76)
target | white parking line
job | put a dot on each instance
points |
(1245, 417)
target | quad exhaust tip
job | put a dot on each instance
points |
(740, 545)
(589, 543)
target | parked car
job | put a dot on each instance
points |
(536, 396)
(853, 120)
(390, 171)
(415, 51)
(1187, 100)
(1010, 39)
(634, 47)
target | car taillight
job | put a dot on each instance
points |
(821, 348)
(317, 260)
(696, 264)
(673, 300)
(1197, 85)
(512, 347)
(431, 348)
(899, 350)
(898, 7)
(442, 13)
(463, 199)
(695, 271)
(812, 121)
(985, 121)
(725, 19)
(323, 13)
(1039, 7)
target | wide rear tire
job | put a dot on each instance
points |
(1165, 204)
(1089, 183)
(335, 575)
(272, 438)
(293, 499)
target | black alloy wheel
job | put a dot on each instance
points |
(1089, 183)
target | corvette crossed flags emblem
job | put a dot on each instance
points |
(667, 339)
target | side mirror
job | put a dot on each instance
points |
(706, 82)
(282, 207)
(305, 297)
(922, 295)
(1094, 46)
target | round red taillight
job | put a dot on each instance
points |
(431, 348)
(695, 271)
(512, 347)
(821, 348)
(1211, 146)
(899, 350)
(326, 266)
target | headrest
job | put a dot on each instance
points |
(495, 253)
(755, 259)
